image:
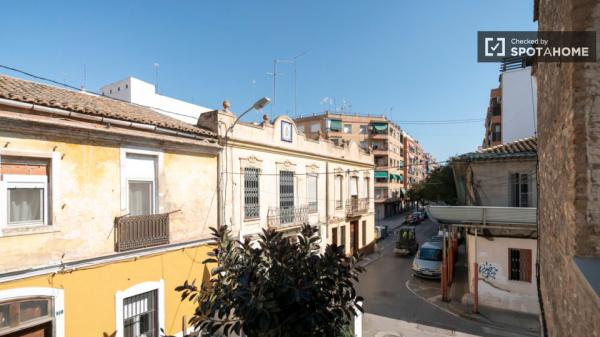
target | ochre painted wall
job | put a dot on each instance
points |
(89, 293)
(88, 184)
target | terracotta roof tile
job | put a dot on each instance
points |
(90, 104)
(522, 148)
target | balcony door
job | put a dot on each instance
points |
(286, 196)
(353, 237)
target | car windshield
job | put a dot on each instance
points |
(431, 254)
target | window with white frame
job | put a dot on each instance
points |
(251, 193)
(338, 191)
(315, 127)
(140, 315)
(140, 172)
(347, 128)
(520, 189)
(363, 130)
(25, 189)
(311, 193)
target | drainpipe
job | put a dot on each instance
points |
(327, 203)
(476, 269)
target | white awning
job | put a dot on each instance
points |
(483, 215)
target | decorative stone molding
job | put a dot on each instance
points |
(251, 161)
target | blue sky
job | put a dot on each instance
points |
(410, 60)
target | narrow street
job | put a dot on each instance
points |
(392, 309)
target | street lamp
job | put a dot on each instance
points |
(258, 105)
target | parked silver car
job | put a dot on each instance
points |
(428, 261)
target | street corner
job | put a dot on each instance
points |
(426, 289)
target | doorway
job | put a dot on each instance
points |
(353, 237)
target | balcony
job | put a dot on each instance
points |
(339, 204)
(287, 216)
(141, 231)
(356, 206)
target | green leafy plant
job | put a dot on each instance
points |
(276, 287)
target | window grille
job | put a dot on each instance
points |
(140, 315)
(286, 196)
(251, 193)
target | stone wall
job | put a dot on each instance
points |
(569, 171)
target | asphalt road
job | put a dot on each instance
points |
(384, 289)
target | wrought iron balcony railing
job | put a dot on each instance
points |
(339, 204)
(287, 216)
(140, 231)
(313, 207)
(251, 211)
(357, 206)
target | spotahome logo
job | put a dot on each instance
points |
(541, 46)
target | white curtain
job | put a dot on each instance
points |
(25, 204)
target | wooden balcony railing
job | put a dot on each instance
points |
(357, 206)
(287, 216)
(140, 231)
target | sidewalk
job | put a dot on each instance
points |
(461, 304)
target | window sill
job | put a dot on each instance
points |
(27, 230)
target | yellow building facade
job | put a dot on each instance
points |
(105, 208)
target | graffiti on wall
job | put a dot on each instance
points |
(488, 271)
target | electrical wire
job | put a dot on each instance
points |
(91, 92)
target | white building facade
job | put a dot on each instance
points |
(519, 104)
(136, 91)
(275, 177)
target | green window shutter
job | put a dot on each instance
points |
(380, 127)
(381, 174)
(335, 125)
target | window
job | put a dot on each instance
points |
(315, 127)
(141, 183)
(367, 191)
(520, 189)
(301, 128)
(364, 233)
(25, 186)
(363, 129)
(311, 192)
(286, 196)
(343, 236)
(496, 133)
(334, 125)
(334, 238)
(347, 128)
(338, 191)
(25, 313)
(140, 317)
(519, 261)
(354, 187)
(251, 193)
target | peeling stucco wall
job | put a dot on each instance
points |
(89, 199)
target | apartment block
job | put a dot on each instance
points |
(377, 134)
(511, 113)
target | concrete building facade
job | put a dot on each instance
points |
(377, 134)
(274, 176)
(497, 187)
(511, 114)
